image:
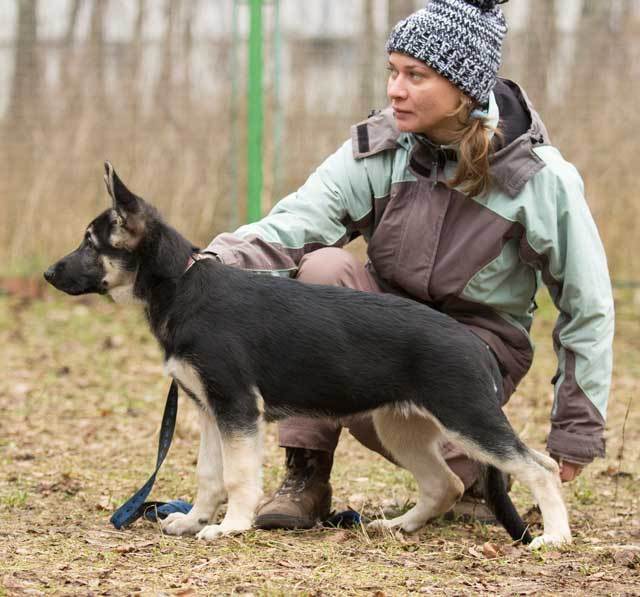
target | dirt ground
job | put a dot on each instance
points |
(81, 398)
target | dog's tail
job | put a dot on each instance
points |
(497, 498)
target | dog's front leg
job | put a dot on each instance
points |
(211, 492)
(241, 455)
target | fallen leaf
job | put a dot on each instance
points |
(66, 484)
(628, 558)
(104, 503)
(475, 553)
(125, 549)
(338, 537)
(490, 550)
(552, 555)
(288, 564)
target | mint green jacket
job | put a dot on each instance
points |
(481, 260)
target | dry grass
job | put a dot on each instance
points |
(82, 395)
(170, 133)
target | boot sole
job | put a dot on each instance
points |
(282, 521)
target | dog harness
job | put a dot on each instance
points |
(199, 257)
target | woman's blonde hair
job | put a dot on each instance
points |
(473, 176)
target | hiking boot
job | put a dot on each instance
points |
(304, 497)
(470, 509)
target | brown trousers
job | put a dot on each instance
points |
(338, 267)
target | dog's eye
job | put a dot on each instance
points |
(88, 240)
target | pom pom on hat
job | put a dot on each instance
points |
(486, 4)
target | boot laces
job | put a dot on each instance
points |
(300, 470)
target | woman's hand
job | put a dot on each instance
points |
(568, 470)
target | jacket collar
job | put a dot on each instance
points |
(513, 163)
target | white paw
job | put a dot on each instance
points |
(549, 540)
(183, 524)
(411, 526)
(214, 531)
(382, 525)
(408, 525)
(379, 525)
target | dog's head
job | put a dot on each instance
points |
(106, 261)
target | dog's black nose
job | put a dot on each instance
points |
(48, 275)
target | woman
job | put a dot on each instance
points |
(465, 206)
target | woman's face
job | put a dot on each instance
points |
(422, 99)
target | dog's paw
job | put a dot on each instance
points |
(210, 532)
(215, 531)
(178, 523)
(379, 525)
(549, 540)
(406, 525)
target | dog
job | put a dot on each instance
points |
(249, 347)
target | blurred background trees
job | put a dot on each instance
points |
(149, 84)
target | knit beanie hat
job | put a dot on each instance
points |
(460, 39)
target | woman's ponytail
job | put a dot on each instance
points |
(473, 139)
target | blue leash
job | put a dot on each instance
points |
(136, 506)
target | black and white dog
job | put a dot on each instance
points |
(248, 347)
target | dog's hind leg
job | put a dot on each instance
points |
(241, 456)
(413, 440)
(496, 443)
(540, 474)
(211, 492)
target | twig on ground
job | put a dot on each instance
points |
(621, 451)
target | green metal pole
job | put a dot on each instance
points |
(235, 121)
(278, 108)
(255, 124)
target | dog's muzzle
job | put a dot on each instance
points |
(72, 279)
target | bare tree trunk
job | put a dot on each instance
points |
(73, 21)
(69, 90)
(370, 54)
(96, 55)
(135, 57)
(165, 82)
(18, 150)
(598, 8)
(540, 47)
(132, 67)
(187, 43)
(24, 88)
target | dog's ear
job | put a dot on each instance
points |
(124, 201)
(130, 224)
